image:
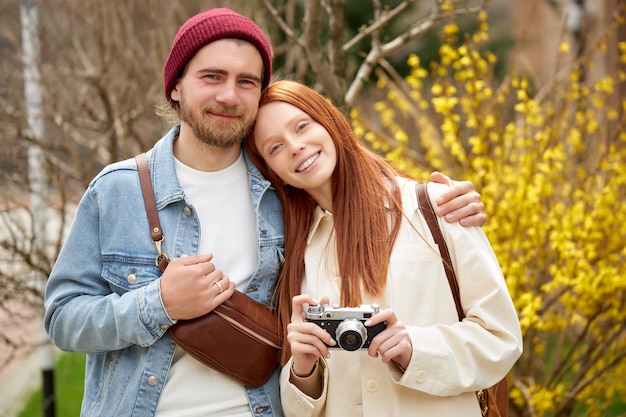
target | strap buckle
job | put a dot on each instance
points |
(161, 256)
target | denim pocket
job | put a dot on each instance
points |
(125, 274)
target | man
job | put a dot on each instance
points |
(106, 297)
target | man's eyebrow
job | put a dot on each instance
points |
(212, 70)
(251, 77)
(245, 75)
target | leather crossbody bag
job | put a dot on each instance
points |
(240, 338)
(493, 401)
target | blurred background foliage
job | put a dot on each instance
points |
(552, 172)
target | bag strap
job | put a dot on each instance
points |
(483, 395)
(431, 219)
(153, 216)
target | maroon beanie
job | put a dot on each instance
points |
(207, 27)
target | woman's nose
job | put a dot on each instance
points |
(296, 147)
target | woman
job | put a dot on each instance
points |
(354, 235)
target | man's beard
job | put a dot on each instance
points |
(216, 133)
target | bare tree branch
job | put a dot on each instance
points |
(416, 31)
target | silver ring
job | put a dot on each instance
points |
(219, 286)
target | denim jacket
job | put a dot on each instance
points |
(102, 297)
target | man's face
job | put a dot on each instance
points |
(219, 92)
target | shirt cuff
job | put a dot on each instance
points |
(310, 385)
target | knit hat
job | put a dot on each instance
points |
(204, 28)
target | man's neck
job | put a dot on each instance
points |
(198, 155)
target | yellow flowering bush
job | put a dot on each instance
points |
(551, 170)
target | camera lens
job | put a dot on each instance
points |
(351, 334)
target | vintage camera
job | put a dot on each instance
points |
(346, 324)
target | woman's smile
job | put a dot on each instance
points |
(308, 162)
(297, 148)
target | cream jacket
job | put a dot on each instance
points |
(451, 359)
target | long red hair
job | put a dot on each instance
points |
(367, 207)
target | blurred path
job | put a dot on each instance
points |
(20, 368)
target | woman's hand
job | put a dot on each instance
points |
(308, 341)
(394, 342)
(460, 202)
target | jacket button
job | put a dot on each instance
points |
(152, 380)
(132, 278)
(420, 377)
(372, 385)
(187, 211)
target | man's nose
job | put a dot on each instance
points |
(228, 94)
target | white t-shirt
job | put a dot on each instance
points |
(223, 204)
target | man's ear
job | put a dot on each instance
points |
(175, 94)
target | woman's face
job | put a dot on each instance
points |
(297, 148)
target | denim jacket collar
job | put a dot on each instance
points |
(163, 171)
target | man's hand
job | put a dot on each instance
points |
(460, 202)
(191, 286)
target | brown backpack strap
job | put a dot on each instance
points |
(431, 219)
(153, 216)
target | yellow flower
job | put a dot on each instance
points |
(401, 137)
(444, 104)
(413, 61)
(490, 121)
(447, 6)
(451, 29)
(420, 73)
(437, 89)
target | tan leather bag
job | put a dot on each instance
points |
(493, 401)
(240, 338)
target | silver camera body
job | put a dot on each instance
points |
(346, 325)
